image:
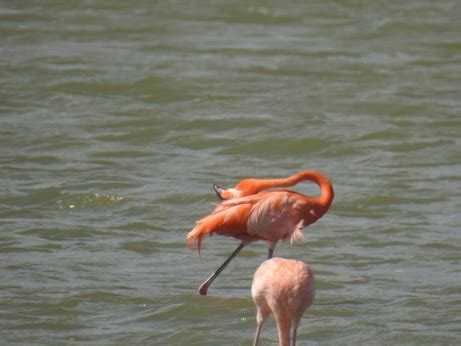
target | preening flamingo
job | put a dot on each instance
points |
(251, 213)
(285, 288)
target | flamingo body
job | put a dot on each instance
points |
(285, 288)
(262, 214)
(269, 216)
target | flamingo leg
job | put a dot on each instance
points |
(258, 332)
(293, 339)
(202, 290)
(270, 248)
(270, 253)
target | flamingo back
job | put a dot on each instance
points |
(279, 215)
(283, 287)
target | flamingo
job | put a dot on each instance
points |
(249, 213)
(285, 288)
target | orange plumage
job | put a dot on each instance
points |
(252, 213)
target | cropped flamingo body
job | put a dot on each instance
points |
(252, 213)
(285, 288)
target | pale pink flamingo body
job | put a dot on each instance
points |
(286, 289)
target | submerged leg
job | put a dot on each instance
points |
(261, 315)
(258, 331)
(294, 329)
(202, 290)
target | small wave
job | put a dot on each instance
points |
(89, 200)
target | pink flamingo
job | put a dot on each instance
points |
(286, 289)
(250, 214)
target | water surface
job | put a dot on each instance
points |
(117, 118)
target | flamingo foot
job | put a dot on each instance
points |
(203, 289)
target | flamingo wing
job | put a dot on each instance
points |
(229, 219)
(279, 215)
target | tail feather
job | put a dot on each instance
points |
(195, 235)
(228, 216)
(207, 225)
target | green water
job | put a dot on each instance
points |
(117, 117)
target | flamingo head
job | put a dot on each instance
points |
(226, 194)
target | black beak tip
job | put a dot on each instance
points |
(217, 189)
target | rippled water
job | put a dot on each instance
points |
(117, 117)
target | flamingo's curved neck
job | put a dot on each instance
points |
(326, 189)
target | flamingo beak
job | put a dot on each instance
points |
(218, 190)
